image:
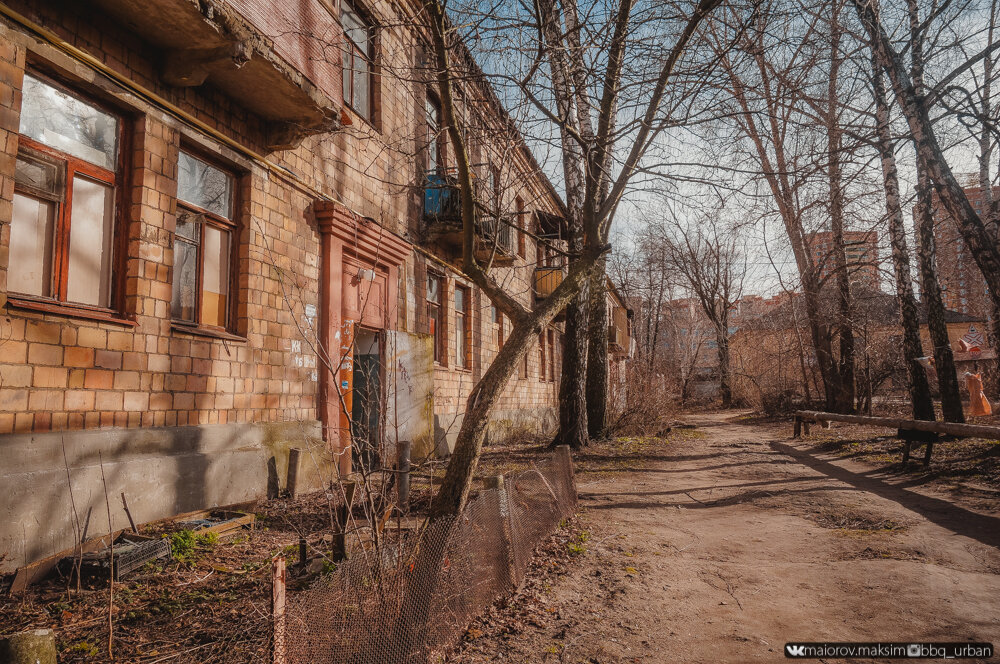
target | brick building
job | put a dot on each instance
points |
(962, 284)
(223, 236)
(861, 248)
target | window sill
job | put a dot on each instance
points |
(68, 310)
(196, 331)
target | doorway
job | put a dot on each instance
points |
(366, 398)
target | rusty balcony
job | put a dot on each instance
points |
(442, 213)
(547, 279)
(254, 53)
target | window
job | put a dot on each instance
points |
(463, 327)
(66, 181)
(552, 355)
(359, 51)
(435, 148)
(519, 209)
(494, 189)
(203, 244)
(542, 371)
(434, 318)
(497, 318)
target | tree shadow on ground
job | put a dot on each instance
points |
(980, 527)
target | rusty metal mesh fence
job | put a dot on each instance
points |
(418, 594)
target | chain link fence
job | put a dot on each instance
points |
(414, 596)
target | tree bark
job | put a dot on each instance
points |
(917, 383)
(937, 326)
(845, 366)
(597, 354)
(573, 430)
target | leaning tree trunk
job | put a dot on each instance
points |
(597, 354)
(978, 238)
(909, 318)
(937, 326)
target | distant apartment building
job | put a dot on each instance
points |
(861, 248)
(962, 283)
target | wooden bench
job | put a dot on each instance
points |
(911, 431)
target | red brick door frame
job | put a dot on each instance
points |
(374, 255)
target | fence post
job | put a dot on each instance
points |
(292, 478)
(497, 483)
(278, 610)
(343, 515)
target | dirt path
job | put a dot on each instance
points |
(724, 545)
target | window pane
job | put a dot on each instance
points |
(433, 122)
(40, 175)
(52, 117)
(433, 289)
(461, 341)
(182, 301)
(91, 231)
(189, 225)
(355, 27)
(360, 101)
(460, 300)
(348, 79)
(215, 290)
(29, 269)
(204, 185)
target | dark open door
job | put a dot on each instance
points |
(366, 406)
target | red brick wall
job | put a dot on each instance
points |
(305, 34)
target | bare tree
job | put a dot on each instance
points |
(710, 258)
(916, 107)
(919, 388)
(599, 159)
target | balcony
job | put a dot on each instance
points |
(496, 238)
(547, 279)
(619, 337)
(254, 53)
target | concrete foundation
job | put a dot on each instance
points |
(163, 471)
(504, 425)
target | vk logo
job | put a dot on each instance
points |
(794, 651)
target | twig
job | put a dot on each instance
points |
(111, 566)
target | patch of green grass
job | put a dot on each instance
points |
(185, 544)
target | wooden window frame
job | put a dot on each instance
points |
(71, 166)
(463, 326)
(231, 226)
(355, 51)
(440, 150)
(542, 357)
(551, 337)
(497, 326)
(438, 333)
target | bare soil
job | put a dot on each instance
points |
(722, 543)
